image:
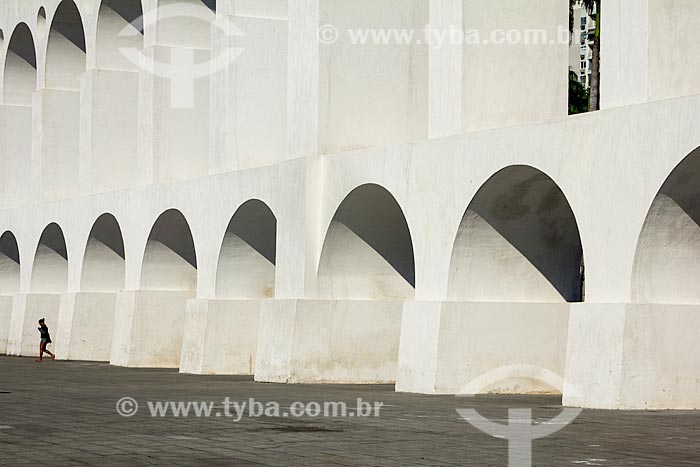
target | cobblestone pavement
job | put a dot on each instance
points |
(64, 413)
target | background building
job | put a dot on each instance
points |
(581, 50)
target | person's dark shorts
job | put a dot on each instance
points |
(45, 342)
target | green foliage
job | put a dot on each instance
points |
(578, 95)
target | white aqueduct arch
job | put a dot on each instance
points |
(518, 241)
(20, 67)
(246, 267)
(114, 18)
(667, 260)
(50, 269)
(9, 264)
(170, 259)
(66, 48)
(104, 261)
(368, 250)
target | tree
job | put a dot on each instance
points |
(578, 95)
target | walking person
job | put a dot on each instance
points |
(45, 341)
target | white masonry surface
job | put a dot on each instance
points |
(222, 192)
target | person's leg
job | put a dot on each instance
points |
(41, 352)
(46, 349)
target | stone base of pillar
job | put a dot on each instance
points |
(476, 348)
(633, 356)
(221, 337)
(148, 328)
(5, 319)
(326, 341)
(85, 326)
(27, 310)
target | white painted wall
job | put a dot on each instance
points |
(148, 328)
(220, 337)
(476, 348)
(372, 94)
(85, 326)
(520, 81)
(323, 341)
(610, 165)
(645, 357)
(5, 322)
(16, 134)
(250, 94)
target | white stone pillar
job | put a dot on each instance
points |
(16, 135)
(445, 69)
(149, 328)
(626, 356)
(108, 151)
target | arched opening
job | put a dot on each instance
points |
(50, 271)
(119, 26)
(667, 260)
(518, 242)
(41, 22)
(9, 285)
(368, 251)
(170, 260)
(193, 16)
(20, 81)
(103, 264)
(9, 264)
(245, 276)
(20, 68)
(60, 104)
(65, 56)
(246, 267)
(86, 319)
(168, 281)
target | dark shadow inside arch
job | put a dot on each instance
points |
(69, 24)
(130, 10)
(9, 247)
(667, 259)
(683, 186)
(50, 269)
(52, 237)
(20, 68)
(247, 257)
(9, 264)
(518, 233)
(367, 251)
(103, 263)
(256, 225)
(172, 230)
(211, 4)
(374, 215)
(106, 230)
(170, 260)
(22, 44)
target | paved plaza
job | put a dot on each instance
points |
(64, 414)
